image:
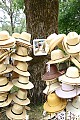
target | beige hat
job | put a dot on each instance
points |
(50, 38)
(21, 55)
(21, 68)
(23, 82)
(16, 35)
(5, 68)
(57, 56)
(16, 111)
(20, 97)
(5, 85)
(5, 99)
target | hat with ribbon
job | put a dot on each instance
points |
(21, 54)
(20, 97)
(5, 99)
(21, 68)
(67, 91)
(23, 82)
(16, 111)
(57, 56)
(54, 103)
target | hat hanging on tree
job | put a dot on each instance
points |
(50, 38)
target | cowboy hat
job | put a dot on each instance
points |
(23, 82)
(72, 43)
(5, 99)
(67, 91)
(57, 56)
(21, 68)
(54, 103)
(20, 97)
(21, 55)
(16, 111)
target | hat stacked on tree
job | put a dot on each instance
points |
(21, 57)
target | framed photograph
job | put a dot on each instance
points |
(39, 47)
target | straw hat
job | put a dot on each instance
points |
(71, 76)
(76, 60)
(5, 68)
(21, 55)
(5, 85)
(72, 43)
(51, 86)
(52, 74)
(16, 111)
(21, 68)
(67, 91)
(5, 99)
(23, 82)
(50, 38)
(57, 56)
(74, 106)
(5, 38)
(20, 97)
(16, 35)
(54, 103)
(25, 38)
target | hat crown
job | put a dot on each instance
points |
(4, 35)
(76, 102)
(23, 79)
(18, 109)
(3, 96)
(22, 94)
(67, 87)
(72, 72)
(23, 66)
(53, 100)
(25, 36)
(57, 54)
(22, 51)
(50, 38)
(16, 35)
(3, 81)
(2, 68)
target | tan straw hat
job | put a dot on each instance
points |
(57, 56)
(21, 55)
(23, 82)
(21, 68)
(5, 99)
(54, 103)
(5, 68)
(16, 35)
(16, 111)
(20, 97)
(50, 38)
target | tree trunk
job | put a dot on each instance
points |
(41, 21)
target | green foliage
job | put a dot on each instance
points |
(69, 16)
(19, 4)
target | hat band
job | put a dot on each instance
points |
(52, 83)
(67, 90)
(4, 85)
(3, 70)
(16, 113)
(21, 55)
(52, 105)
(20, 98)
(58, 59)
(4, 39)
(74, 106)
(4, 100)
(21, 70)
(72, 45)
(71, 77)
(24, 40)
(22, 83)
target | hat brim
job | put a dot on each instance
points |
(59, 60)
(9, 114)
(69, 94)
(20, 102)
(22, 41)
(9, 68)
(20, 58)
(49, 116)
(26, 86)
(57, 108)
(10, 45)
(7, 102)
(75, 61)
(21, 72)
(11, 40)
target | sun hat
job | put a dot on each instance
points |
(71, 76)
(25, 38)
(5, 84)
(74, 106)
(52, 74)
(51, 86)
(21, 68)
(16, 111)
(23, 82)
(5, 99)
(5, 68)
(50, 38)
(57, 56)
(20, 97)
(58, 39)
(72, 43)
(16, 35)
(54, 103)
(67, 91)
(21, 54)
(5, 38)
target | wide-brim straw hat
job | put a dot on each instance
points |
(57, 56)
(50, 38)
(54, 104)
(7, 100)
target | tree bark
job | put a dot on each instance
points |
(41, 21)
